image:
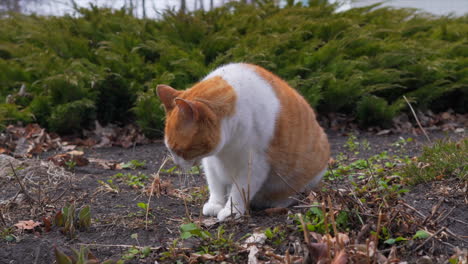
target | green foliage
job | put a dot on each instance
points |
(69, 220)
(82, 256)
(134, 164)
(104, 64)
(133, 180)
(443, 159)
(135, 252)
(7, 234)
(421, 234)
(275, 235)
(314, 220)
(210, 243)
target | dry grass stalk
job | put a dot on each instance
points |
(117, 246)
(156, 177)
(304, 229)
(23, 189)
(417, 119)
(333, 222)
(327, 231)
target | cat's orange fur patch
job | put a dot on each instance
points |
(296, 157)
(214, 99)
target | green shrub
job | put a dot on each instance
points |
(104, 64)
(372, 110)
(72, 116)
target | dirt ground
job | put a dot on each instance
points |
(116, 216)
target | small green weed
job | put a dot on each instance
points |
(276, 235)
(136, 252)
(70, 165)
(420, 234)
(83, 256)
(134, 164)
(443, 159)
(352, 144)
(314, 220)
(109, 186)
(70, 220)
(132, 180)
(7, 234)
(209, 243)
(402, 142)
(174, 169)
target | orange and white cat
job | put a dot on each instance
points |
(256, 137)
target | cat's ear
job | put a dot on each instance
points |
(188, 109)
(167, 95)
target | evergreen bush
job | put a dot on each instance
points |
(104, 64)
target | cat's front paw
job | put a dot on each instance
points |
(227, 212)
(212, 209)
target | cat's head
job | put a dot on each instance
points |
(192, 129)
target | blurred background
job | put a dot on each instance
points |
(153, 8)
(65, 64)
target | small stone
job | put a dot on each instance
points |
(424, 260)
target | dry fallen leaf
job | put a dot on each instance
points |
(27, 225)
(256, 237)
(75, 156)
(341, 258)
(276, 211)
(106, 164)
(253, 250)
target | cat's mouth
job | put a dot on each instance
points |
(186, 165)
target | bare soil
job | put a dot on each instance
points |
(116, 216)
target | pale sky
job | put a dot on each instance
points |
(59, 7)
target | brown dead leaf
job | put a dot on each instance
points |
(106, 164)
(75, 156)
(4, 150)
(23, 147)
(276, 211)
(47, 224)
(68, 147)
(253, 250)
(317, 251)
(209, 222)
(341, 258)
(27, 225)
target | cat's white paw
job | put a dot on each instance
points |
(227, 212)
(212, 209)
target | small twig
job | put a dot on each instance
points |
(334, 208)
(429, 238)
(59, 197)
(457, 220)
(30, 199)
(249, 177)
(118, 246)
(450, 232)
(379, 226)
(327, 231)
(187, 212)
(441, 218)
(38, 251)
(332, 218)
(417, 119)
(2, 219)
(414, 209)
(304, 229)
